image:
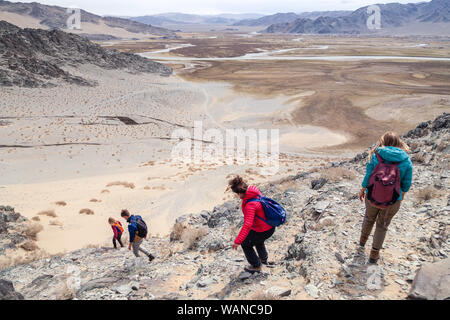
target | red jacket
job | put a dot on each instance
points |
(250, 210)
(117, 229)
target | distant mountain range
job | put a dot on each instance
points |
(173, 18)
(392, 15)
(55, 17)
(95, 27)
(289, 17)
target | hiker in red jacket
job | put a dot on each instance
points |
(118, 231)
(254, 231)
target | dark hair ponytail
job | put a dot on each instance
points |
(238, 185)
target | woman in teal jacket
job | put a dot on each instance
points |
(391, 149)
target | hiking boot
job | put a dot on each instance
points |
(363, 240)
(267, 263)
(253, 269)
(374, 255)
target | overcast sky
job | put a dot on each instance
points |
(143, 7)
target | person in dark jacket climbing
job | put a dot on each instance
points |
(138, 232)
(255, 231)
(390, 149)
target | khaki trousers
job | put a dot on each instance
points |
(382, 217)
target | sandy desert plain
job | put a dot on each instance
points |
(64, 149)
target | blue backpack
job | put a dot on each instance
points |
(275, 213)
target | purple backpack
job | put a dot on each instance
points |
(384, 184)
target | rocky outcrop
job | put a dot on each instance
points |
(7, 291)
(432, 282)
(17, 234)
(35, 57)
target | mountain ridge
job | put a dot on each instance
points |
(55, 17)
(393, 15)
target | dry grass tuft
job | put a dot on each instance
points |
(29, 246)
(88, 212)
(8, 261)
(442, 146)
(177, 231)
(261, 295)
(32, 229)
(427, 193)
(418, 157)
(56, 223)
(92, 246)
(121, 183)
(337, 173)
(191, 237)
(48, 213)
(61, 203)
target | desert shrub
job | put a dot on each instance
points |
(105, 191)
(261, 295)
(121, 183)
(32, 229)
(55, 223)
(95, 200)
(86, 211)
(418, 157)
(92, 246)
(29, 246)
(337, 173)
(313, 170)
(191, 237)
(441, 146)
(36, 218)
(48, 213)
(30, 257)
(413, 145)
(5, 262)
(177, 231)
(61, 203)
(427, 193)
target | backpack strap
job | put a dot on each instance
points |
(256, 200)
(380, 159)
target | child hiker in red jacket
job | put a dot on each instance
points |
(118, 231)
(255, 231)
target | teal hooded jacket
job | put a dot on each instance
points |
(392, 155)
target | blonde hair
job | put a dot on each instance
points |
(389, 139)
(111, 220)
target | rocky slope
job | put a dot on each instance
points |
(56, 17)
(36, 57)
(392, 15)
(315, 254)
